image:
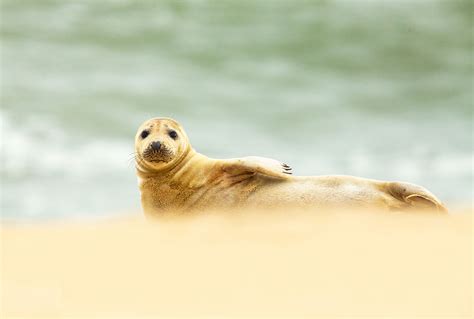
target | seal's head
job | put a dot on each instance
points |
(160, 143)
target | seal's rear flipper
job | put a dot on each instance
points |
(416, 196)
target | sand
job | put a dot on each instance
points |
(290, 264)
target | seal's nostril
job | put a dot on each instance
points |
(156, 146)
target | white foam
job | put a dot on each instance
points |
(39, 148)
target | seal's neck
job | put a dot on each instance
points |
(168, 173)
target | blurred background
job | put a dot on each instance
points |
(379, 89)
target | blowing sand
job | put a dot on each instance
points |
(245, 265)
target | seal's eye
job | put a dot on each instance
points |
(145, 134)
(173, 134)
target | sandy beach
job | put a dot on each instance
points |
(246, 265)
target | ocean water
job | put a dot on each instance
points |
(379, 89)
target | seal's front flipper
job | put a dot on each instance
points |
(415, 196)
(259, 165)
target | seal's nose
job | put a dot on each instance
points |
(156, 146)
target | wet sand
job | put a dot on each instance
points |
(245, 265)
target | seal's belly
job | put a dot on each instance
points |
(223, 195)
(320, 192)
(263, 192)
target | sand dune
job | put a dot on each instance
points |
(245, 265)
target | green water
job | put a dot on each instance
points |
(380, 89)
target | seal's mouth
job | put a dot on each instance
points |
(163, 155)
